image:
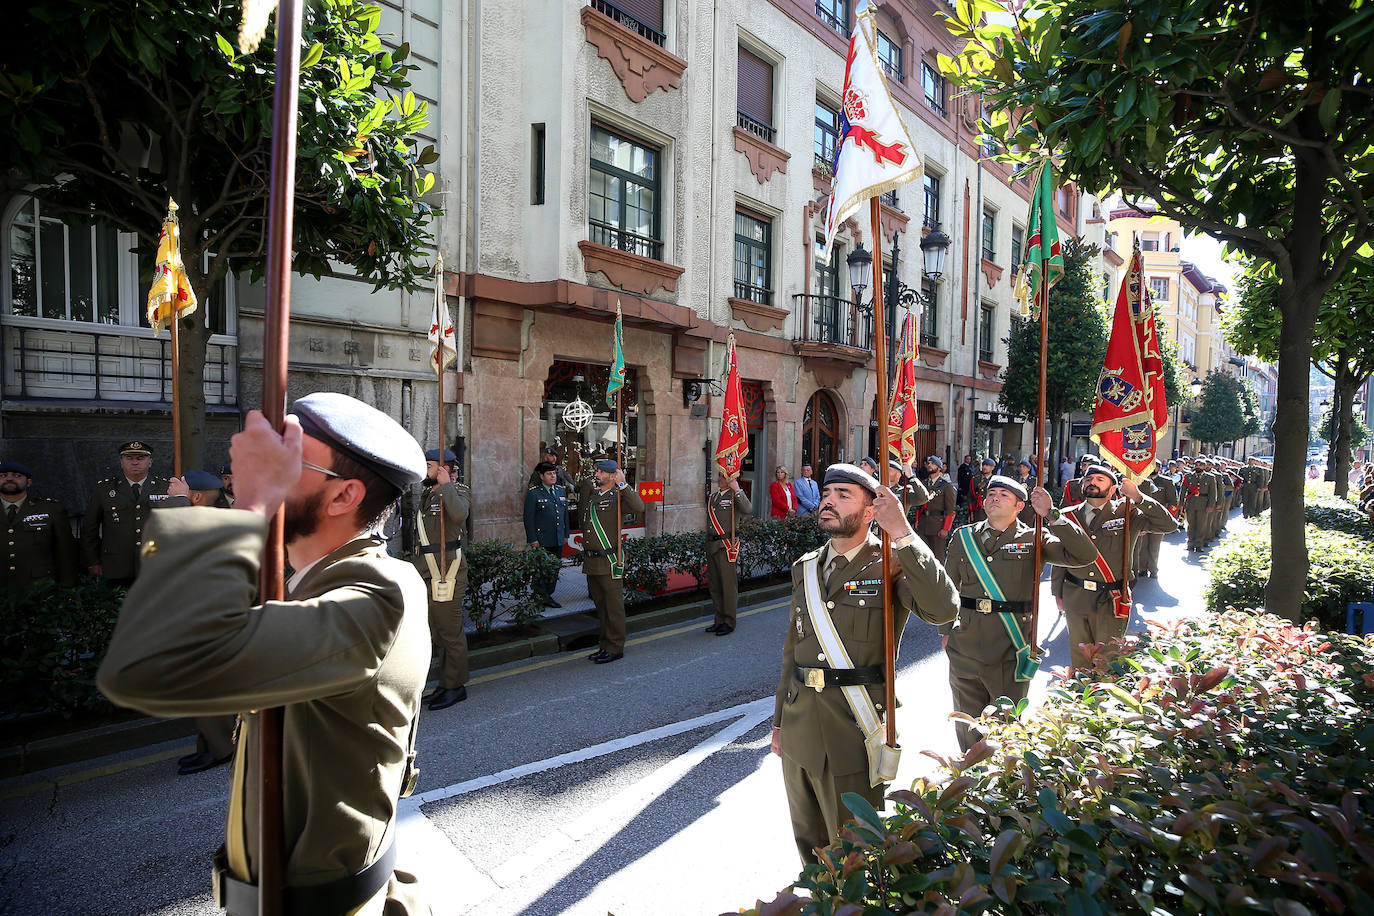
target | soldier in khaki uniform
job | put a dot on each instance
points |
(600, 523)
(1025, 476)
(814, 727)
(345, 654)
(1195, 491)
(978, 489)
(1266, 475)
(1163, 490)
(119, 507)
(1073, 487)
(1086, 594)
(444, 495)
(983, 662)
(39, 542)
(937, 515)
(723, 511)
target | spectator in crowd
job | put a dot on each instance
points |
(781, 497)
(807, 492)
(1065, 470)
(965, 478)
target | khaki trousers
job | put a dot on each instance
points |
(722, 579)
(216, 735)
(608, 595)
(446, 632)
(982, 667)
(814, 801)
(1197, 535)
(1090, 620)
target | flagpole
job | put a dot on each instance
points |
(271, 859)
(880, 356)
(439, 377)
(1042, 296)
(620, 465)
(176, 389)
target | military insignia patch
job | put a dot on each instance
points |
(1016, 550)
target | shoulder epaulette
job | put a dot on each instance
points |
(809, 554)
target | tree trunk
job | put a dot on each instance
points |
(191, 381)
(1300, 297)
(1346, 385)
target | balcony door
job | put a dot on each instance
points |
(820, 433)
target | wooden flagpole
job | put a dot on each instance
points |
(176, 389)
(880, 357)
(271, 856)
(1042, 297)
(439, 377)
(620, 466)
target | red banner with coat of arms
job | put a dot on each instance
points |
(733, 444)
(1130, 409)
(901, 419)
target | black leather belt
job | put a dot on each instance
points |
(333, 898)
(1089, 585)
(818, 678)
(719, 537)
(988, 606)
(434, 548)
(588, 552)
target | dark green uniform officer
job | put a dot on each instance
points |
(1085, 594)
(38, 535)
(816, 729)
(982, 647)
(445, 573)
(600, 513)
(724, 509)
(119, 507)
(978, 489)
(546, 523)
(345, 653)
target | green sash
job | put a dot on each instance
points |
(617, 569)
(1026, 663)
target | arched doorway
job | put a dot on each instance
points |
(820, 433)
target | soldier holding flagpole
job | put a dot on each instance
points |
(833, 720)
(726, 504)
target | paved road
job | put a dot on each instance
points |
(559, 787)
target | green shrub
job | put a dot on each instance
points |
(51, 642)
(1340, 547)
(500, 583)
(1221, 765)
(769, 546)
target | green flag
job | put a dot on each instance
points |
(617, 379)
(1043, 251)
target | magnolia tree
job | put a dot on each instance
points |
(1250, 121)
(111, 108)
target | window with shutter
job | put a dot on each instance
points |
(755, 94)
(649, 12)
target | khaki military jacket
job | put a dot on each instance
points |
(818, 727)
(112, 528)
(1108, 533)
(1164, 491)
(1027, 513)
(454, 500)
(1249, 480)
(941, 503)
(346, 654)
(590, 500)
(39, 544)
(1196, 491)
(725, 508)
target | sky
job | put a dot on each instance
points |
(1205, 252)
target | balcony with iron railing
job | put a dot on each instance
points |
(615, 13)
(890, 198)
(59, 360)
(831, 326)
(624, 240)
(748, 291)
(755, 126)
(829, 18)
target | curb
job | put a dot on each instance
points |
(89, 744)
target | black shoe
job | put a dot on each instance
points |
(595, 655)
(193, 756)
(604, 657)
(549, 602)
(724, 629)
(199, 763)
(714, 628)
(446, 697)
(431, 695)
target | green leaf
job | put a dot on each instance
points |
(225, 46)
(312, 56)
(1329, 109)
(863, 810)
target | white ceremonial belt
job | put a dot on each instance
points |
(882, 758)
(440, 587)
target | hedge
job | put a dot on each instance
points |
(52, 639)
(501, 581)
(1340, 547)
(1220, 765)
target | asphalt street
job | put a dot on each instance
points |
(558, 787)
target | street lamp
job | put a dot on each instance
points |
(860, 262)
(933, 248)
(1194, 389)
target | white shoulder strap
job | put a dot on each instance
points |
(860, 703)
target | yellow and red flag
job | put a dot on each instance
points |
(171, 291)
(901, 416)
(733, 444)
(1130, 409)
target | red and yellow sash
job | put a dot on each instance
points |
(1121, 598)
(731, 544)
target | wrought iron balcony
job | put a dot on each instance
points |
(756, 127)
(624, 240)
(833, 320)
(759, 294)
(630, 22)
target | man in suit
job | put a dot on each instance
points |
(214, 734)
(835, 640)
(807, 492)
(992, 564)
(1091, 596)
(600, 514)
(40, 542)
(445, 572)
(723, 510)
(119, 507)
(345, 654)
(546, 523)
